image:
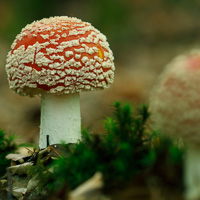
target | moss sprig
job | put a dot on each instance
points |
(7, 145)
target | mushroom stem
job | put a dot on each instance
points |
(192, 173)
(60, 119)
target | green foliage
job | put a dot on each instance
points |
(168, 164)
(7, 145)
(120, 154)
(129, 148)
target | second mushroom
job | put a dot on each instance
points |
(175, 108)
(58, 58)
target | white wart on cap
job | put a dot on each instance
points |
(59, 55)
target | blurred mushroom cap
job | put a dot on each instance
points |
(175, 99)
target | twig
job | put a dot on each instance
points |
(47, 140)
(53, 149)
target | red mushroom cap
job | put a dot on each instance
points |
(59, 55)
(175, 100)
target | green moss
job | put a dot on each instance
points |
(121, 153)
(7, 145)
(128, 148)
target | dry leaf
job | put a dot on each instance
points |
(17, 158)
(20, 169)
(3, 184)
(90, 190)
(19, 192)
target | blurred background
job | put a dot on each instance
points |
(143, 34)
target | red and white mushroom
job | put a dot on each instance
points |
(57, 58)
(175, 108)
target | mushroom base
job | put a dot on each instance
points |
(60, 119)
(192, 174)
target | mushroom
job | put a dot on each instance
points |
(175, 109)
(57, 58)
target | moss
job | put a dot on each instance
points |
(128, 149)
(7, 145)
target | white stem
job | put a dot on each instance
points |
(192, 173)
(60, 119)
